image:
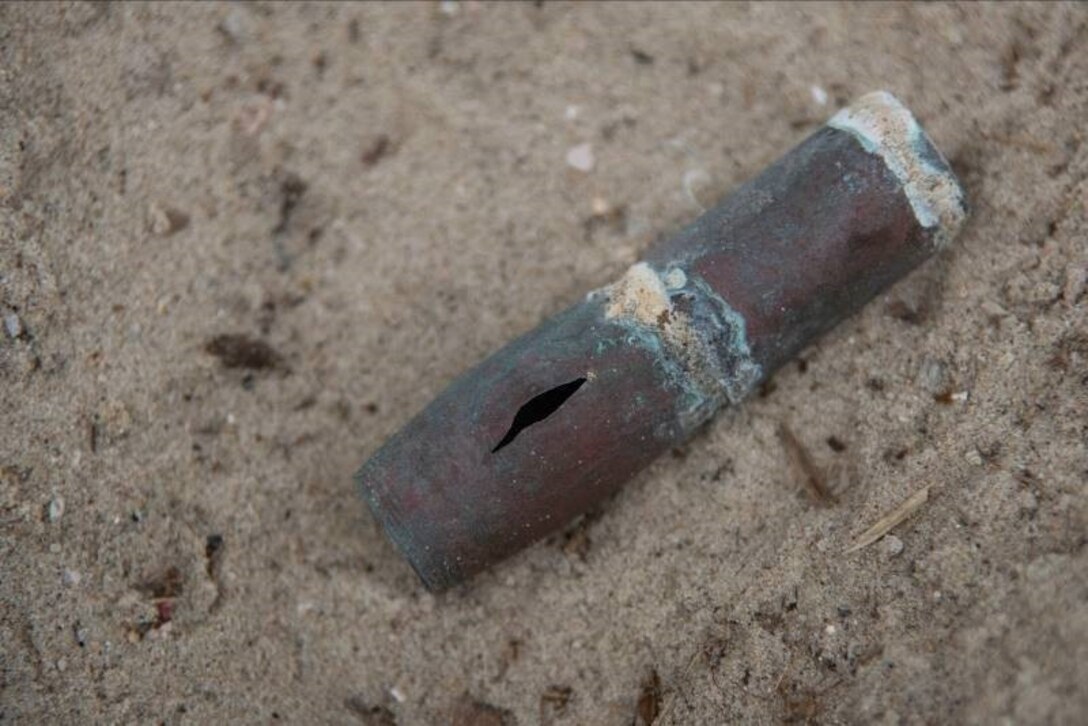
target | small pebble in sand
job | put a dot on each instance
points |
(973, 457)
(893, 545)
(819, 95)
(397, 694)
(236, 26)
(13, 326)
(55, 509)
(71, 578)
(54, 548)
(581, 158)
(251, 119)
(165, 221)
(571, 113)
(932, 375)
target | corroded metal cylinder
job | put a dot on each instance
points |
(561, 417)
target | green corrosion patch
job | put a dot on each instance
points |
(700, 339)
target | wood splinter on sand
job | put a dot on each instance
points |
(891, 520)
(558, 419)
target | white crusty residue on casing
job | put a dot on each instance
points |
(640, 294)
(712, 352)
(884, 126)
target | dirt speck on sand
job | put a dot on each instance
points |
(235, 350)
(381, 194)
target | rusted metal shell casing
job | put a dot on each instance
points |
(561, 417)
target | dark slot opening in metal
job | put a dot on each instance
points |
(538, 408)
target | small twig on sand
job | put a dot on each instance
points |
(890, 520)
(805, 469)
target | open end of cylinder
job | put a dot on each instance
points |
(884, 126)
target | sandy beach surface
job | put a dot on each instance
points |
(241, 245)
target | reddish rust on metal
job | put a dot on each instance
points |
(558, 419)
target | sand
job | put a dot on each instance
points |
(241, 245)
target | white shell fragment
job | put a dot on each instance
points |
(581, 158)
